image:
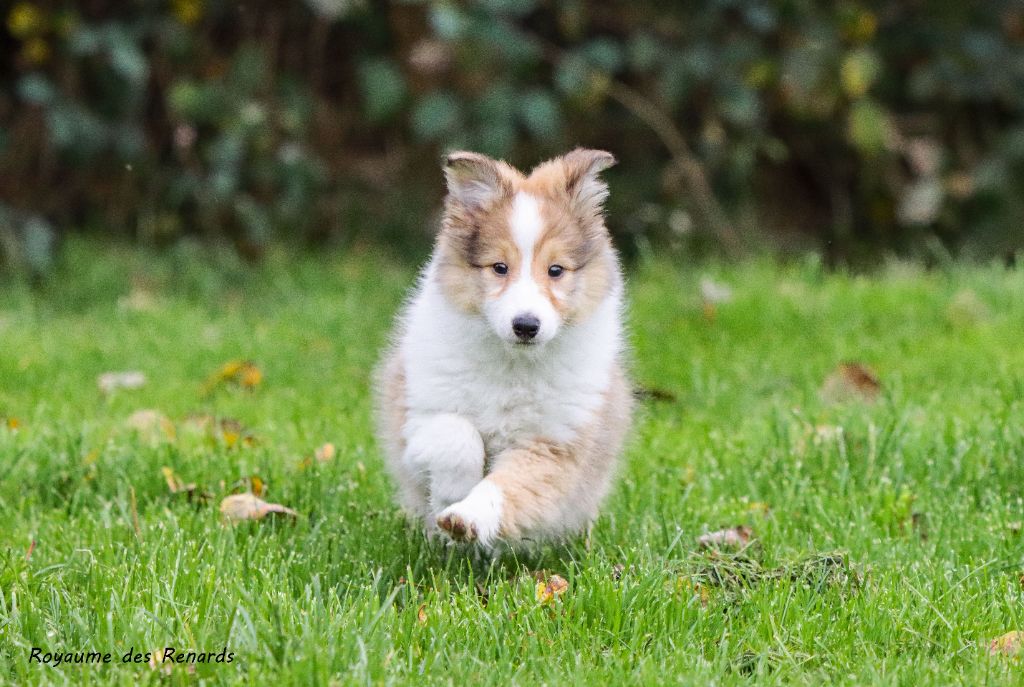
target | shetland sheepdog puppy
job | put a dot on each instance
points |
(503, 402)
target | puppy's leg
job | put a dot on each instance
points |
(527, 490)
(449, 454)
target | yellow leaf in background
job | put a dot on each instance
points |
(687, 587)
(25, 19)
(251, 484)
(36, 51)
(858, 72)
(11, 423)
(421, 614)
(325, 453)
(759, 508)
(238, 507)
(256, 486)
(250, 376)
(242, 373)
(1009, 644)
(550, 589)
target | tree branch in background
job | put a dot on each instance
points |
(695, 181)
(687, 165)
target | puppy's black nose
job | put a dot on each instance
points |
(525, 326)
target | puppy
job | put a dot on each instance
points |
(503, 402)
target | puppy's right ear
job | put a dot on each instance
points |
(474, 180)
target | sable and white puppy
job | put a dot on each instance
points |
(503, 403)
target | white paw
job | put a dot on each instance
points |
(476, 517)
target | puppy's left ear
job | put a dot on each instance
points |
(586, 189)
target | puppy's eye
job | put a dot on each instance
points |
(500, 268)
(555, 271)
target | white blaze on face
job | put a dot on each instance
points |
(523, 297)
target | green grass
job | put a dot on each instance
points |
(889, 552)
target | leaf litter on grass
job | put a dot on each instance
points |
(851, 381)
(244, 374)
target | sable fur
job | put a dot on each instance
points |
(490, 437)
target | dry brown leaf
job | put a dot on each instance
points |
(550, 589)
(108, 382)
(1009, 644)
(151, 425)
(421, 614)
(734, 537)
(238, 507)
(325, 453)
(851, 381)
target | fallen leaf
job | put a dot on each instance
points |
(227, 430)
(759, 508)
(687, 587)
(851, 381)
(31, 548)
(550, 589)
(421, 614)
(736, 537)
(151, 425)
(242, 373)
(1009, 644)
(178, 486)
(108, 382)
(11, 423)
(325, 453)
(238, 507)
(252, 484)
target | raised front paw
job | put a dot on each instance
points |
(457, 526)
(475, 518)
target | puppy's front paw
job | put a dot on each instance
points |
(457, 526)
(476, 518)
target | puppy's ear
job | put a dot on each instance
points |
(586, 189)
(474, 180)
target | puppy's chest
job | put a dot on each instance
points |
(517, 406)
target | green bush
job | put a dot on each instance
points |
(851, 127)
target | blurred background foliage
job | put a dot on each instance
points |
(859, 129)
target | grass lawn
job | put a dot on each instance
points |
(887, 544)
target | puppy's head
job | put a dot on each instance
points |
(530, 254)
